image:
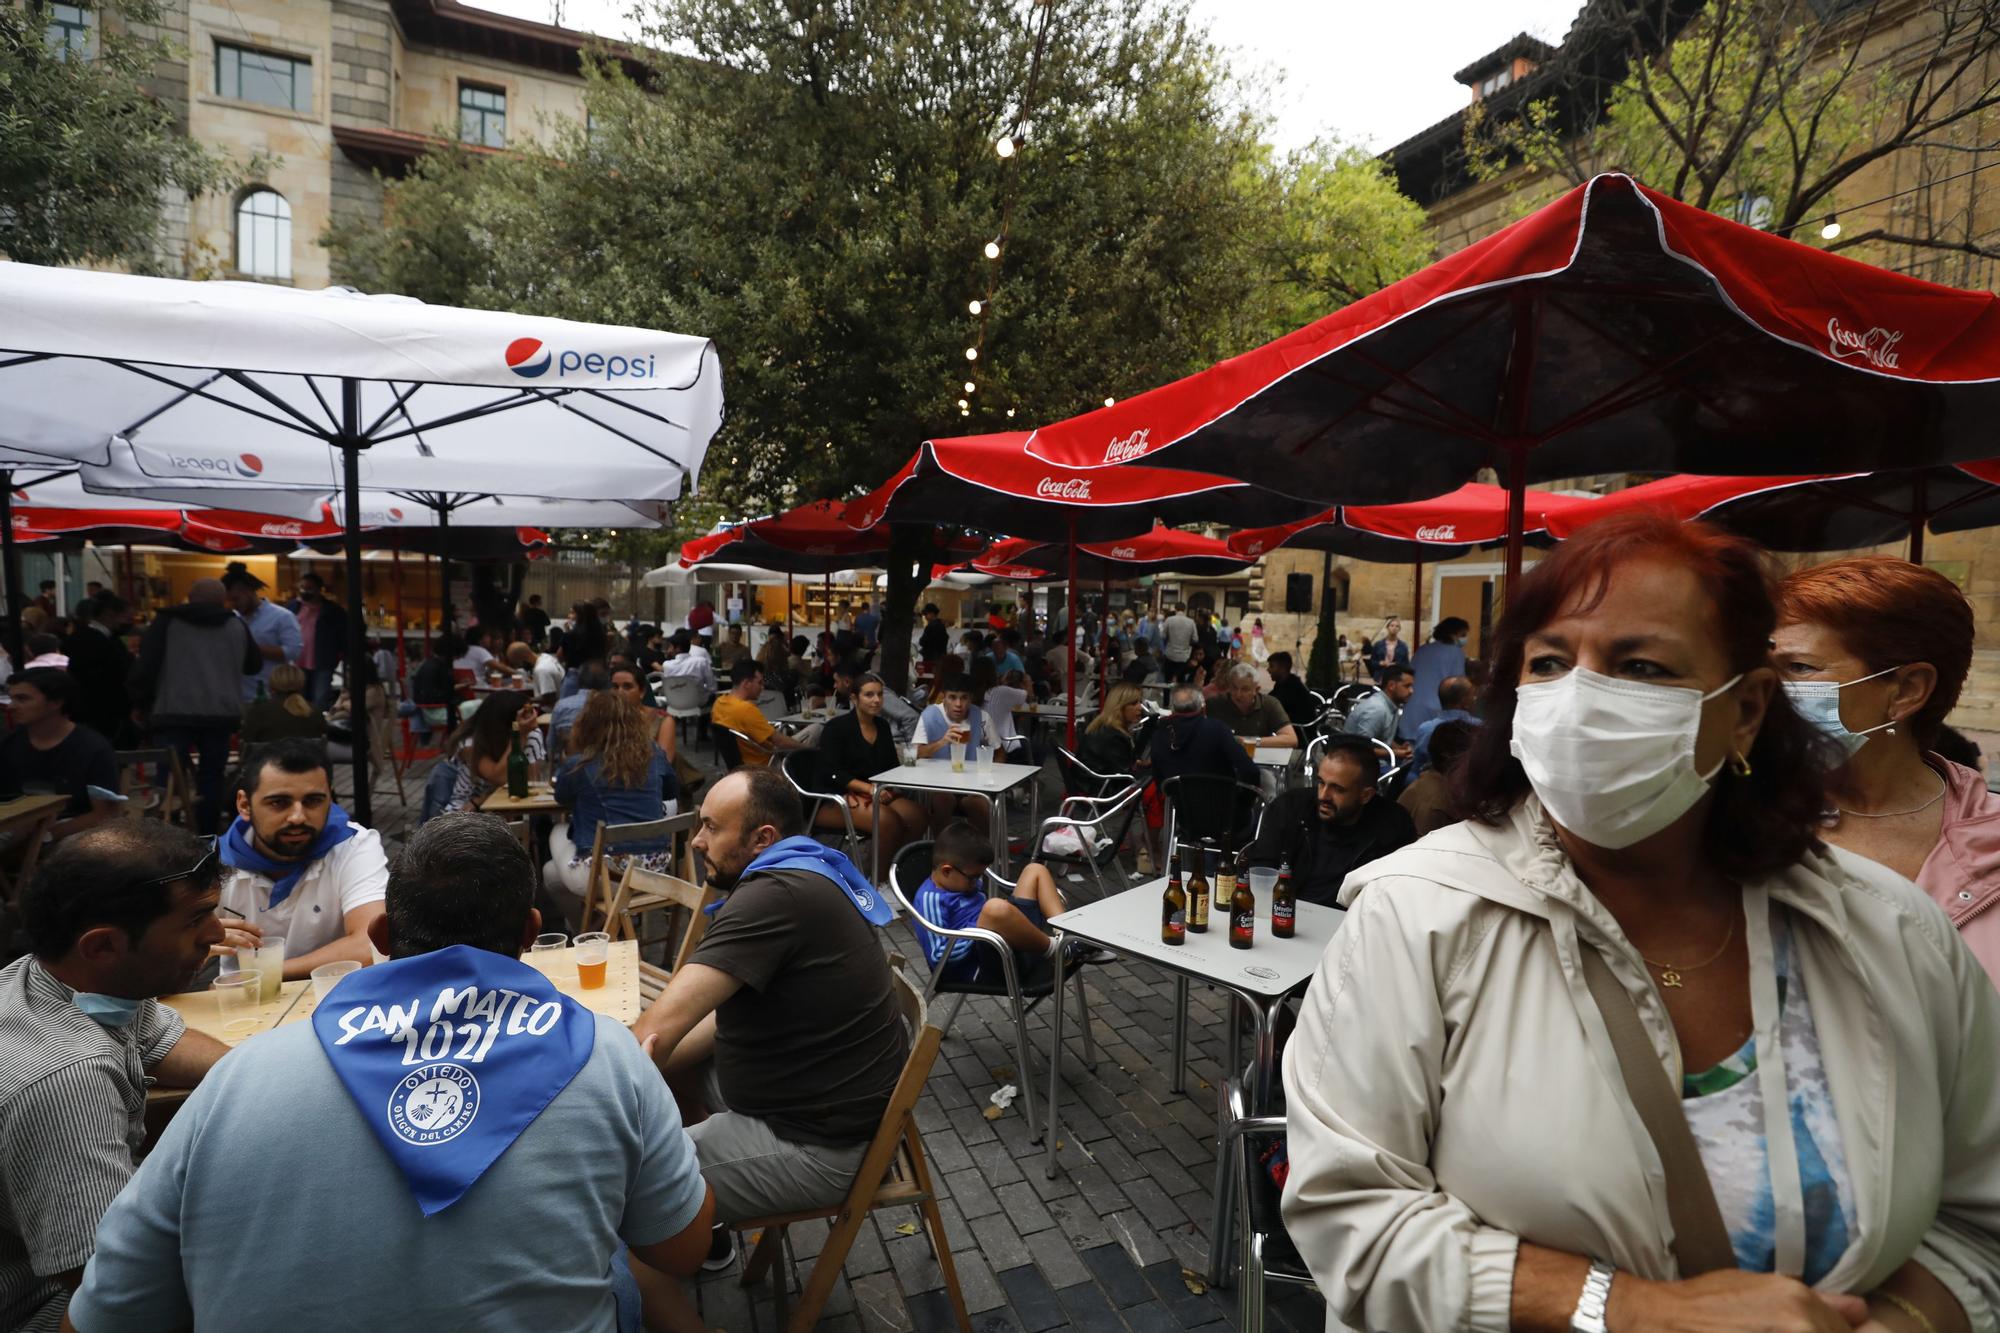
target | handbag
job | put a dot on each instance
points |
(1701, 1241)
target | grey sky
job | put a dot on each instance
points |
(1369, 73)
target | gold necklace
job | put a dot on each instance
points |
(1671, 976)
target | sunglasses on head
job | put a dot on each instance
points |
(200, 872)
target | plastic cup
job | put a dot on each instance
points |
(327, 975)
(985, 759)
(958, 756)
(1262, 880)
(236, 1003)
(267, 959)
(593, 954)
(907, 754)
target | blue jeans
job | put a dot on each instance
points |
(204, 750)
(319, 687)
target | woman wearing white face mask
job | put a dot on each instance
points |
(1874, 651)
(1630, 1049)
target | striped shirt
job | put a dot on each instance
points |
(72, 1122)
(951, 911)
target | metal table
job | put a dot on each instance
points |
(936, 775)
(1128, 923)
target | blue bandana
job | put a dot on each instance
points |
(240, 853)
(803, 853)
(449, 1056)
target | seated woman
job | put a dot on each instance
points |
(853, 747)
(628, 683)
(285, 712)
(1108, 746)
(476, 754)
(616, 774)
(1641, 902)
(1874, 651)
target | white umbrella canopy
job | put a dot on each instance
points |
(301, 381)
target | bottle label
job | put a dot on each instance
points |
(1242, 927)
(1174, 927)
(1283, 914)
(1198, 911)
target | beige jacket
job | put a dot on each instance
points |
(1451, 1089)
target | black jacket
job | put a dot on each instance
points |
(1321, 860)
(846, 756)
(1297, 700)
(1196, 744)
(101, 665)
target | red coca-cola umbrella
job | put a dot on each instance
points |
(1613, 330)
(1818, 513)
(1163, 550)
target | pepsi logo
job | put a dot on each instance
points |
(249, 465)
(527, 358)
(395, 515)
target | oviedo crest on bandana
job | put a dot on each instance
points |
(449, 1056)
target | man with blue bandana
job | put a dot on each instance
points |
(116, 916)
(295, 866)
(466, 1146)
(783, 1026)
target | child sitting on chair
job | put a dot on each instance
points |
(954, 898)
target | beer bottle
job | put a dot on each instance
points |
(517, 770)
(1284, 905)
(1242, 911)
(1197, 893)
(1225, 881)
(1173, 905)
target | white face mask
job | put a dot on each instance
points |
(1612, 760)
(1818, 702)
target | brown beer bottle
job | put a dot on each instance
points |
(1225, 881)
(1197, 893)
(1173, 905)
(1284, 904)
(1242, 911)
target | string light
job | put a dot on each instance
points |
(993, 249)
(970, 386)
(964, 406)
(1109, 401)
(972, 354)
(1831, 230)
(974, 307)
(1005, 147)
(1010, 413)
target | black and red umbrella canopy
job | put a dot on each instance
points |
(815, 538)
(1162, 550)
(991, 483)
(1613, 330)
(1441, 528)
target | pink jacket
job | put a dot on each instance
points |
(1962, 873)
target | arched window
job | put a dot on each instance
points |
(264, 235)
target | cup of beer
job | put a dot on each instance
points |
(267, 959)
(236, 1003)
(593, 954)
(958, 756)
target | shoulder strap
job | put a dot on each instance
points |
(1701, 1241)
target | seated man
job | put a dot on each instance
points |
(296, 866)
(1249, 713)
(1455, 697)
(46, 754)
(954, 897)
(1429, 799)
(1291, 692)
(783, 1025)
(1379, 714)
(952, 720)
(489, 1144)
(1336, 825)
(1186, 742)
(115, 917)
(738, 711)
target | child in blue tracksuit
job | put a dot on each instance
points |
(954, 897)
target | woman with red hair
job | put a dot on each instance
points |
(1874, 651)
(1630, 1048)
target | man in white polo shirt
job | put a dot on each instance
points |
(293, 865)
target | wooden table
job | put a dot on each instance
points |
(540, 800)
(26, 818)
(199, 1009)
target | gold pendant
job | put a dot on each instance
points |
(1670, 978)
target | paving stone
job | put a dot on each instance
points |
(866, 1255)
(971, 1192)
(879, 1305)
(1171, 1291)
(996, 1321)
(1139, 1240)
(1152, 1317)
(1076, 1220)
(1032, 1298)
(957, 1231)
(1118, 1275)
(916, 1269)
(1175, 1178)
(977, 1281)
(1087, 1308)
(1024, 1208)
(996, 1162)
(1056, 1257)
(945, 1152)
(1000, 1242)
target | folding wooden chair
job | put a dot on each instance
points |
(640, 891)
(170, 781)
(599, 889)
(894, 1173)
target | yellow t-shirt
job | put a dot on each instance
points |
(739, 714)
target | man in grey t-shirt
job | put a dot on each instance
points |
(116, 916)
(274, 1146)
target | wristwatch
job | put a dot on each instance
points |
(1589, 1316)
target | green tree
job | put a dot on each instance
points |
(87, 154)
(812, 184)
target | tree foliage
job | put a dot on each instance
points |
(811, 184)
(87, 154)
(1766, 109)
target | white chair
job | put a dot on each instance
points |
(684, 697)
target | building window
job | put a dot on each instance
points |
(258, 76)
(264, 235)
(482, 115)
(68, 32)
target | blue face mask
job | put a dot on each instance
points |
(1818, 702)
(113, 1011)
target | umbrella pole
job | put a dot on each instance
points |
(10, 568)
(444, 565)
(1517, 508)
(129, 575)
(1103, 636)
(1417, 601)
(357, 646)
(826, 595)
(1919, 519)
(788, 613)
(396, 559)
(1069, 634)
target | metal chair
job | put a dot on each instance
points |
(684, 698)
(912, 866)
(1201, 805)
(1101, 824)
(1264, 1251)
(799, 769)
(771, 703)
(731, 745)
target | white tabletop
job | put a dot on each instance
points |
(1273, 756)
(936, 775)
(1129, 923)
(1053, 710)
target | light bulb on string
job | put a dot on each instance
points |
(1010, 412)
(970, 386)
(972, 354)
(1109, 401)
(1005, 146)
(993, 249)
(974, 306)
(1831, 229)
(964, 406)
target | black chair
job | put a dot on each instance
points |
(728, 747)
(1219, 809)
(801, 769)
(1024, 989)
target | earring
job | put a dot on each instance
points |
(1739, 765)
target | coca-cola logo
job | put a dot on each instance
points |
(1443, 532)
(1877, 346)
(1075, 488)
(283, 530)
(1124, 553)
(1253, 548)
(1121, 451)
